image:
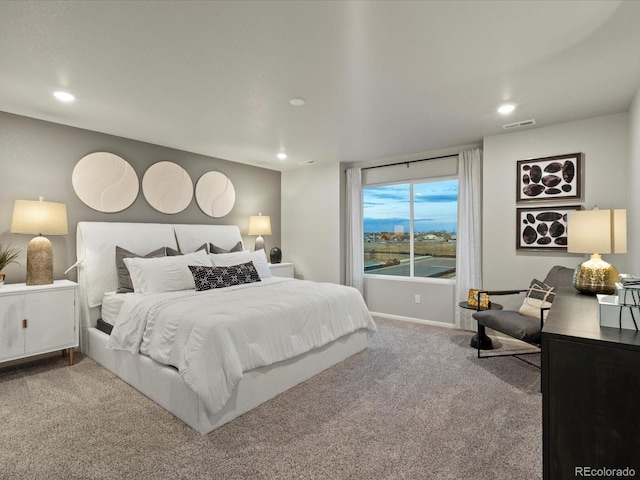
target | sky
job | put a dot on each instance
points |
(387, 208)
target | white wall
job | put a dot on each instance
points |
(633, 186)
(396, 298)
(603, 140)
(311, 233)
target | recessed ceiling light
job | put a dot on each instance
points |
(282, 156)
(506, 108)
(64, 96)
(297, 101)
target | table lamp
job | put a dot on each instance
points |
(596, 232)
(259, 225)
(38, 218)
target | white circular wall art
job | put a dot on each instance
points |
(105, 182)
(215, 194)
(167, 187)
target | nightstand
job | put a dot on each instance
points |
(38, 319)
(283, 269)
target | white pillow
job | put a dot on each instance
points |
(259, 259)
(165, 274)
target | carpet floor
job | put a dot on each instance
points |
(417, 404)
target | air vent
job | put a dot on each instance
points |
(306, 162)
(523, 123)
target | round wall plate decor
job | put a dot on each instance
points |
(167, 187)
(215, 194)
(105, 182)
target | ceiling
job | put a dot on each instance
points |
(381, 79)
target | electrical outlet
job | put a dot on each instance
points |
(417, 298)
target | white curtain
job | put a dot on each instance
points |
(355, 236)
(469, 244)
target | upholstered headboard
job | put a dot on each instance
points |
(95, 251)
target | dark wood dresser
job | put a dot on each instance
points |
(590, 393)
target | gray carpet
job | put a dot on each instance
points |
(416, 405)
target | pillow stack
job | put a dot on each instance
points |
(167, 270)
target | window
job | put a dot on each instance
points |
(410, 228)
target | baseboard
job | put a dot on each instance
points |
(413, 320)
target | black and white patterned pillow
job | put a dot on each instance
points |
(207, 278)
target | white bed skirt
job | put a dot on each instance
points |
(164, 385)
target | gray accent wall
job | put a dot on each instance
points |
(37, 159)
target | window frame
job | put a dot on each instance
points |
(412, 183)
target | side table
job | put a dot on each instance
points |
(481, 337)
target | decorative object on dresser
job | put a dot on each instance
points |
(36, 320)
(215, 194)
(275, 255)
(259, 225)
(595, 232)
(549, 178)
(39, 217)
(8, 256)
(105, 182)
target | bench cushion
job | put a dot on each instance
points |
(510, 323)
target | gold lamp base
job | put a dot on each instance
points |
(39, 261)
(596, 276)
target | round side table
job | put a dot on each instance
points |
(481, 337)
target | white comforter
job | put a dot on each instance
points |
(213, 337)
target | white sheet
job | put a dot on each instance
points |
(111, 305)
(213, 337)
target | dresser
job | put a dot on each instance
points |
(38, 319)
(590, 392)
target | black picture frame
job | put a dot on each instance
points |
(543, 228)
(550, 178)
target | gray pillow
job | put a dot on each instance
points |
(215, 249)
(124, 279)
(172, 252)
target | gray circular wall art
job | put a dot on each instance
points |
(215, 194)
(167, 187)
(105, 182)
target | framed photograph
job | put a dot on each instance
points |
(550, 178)
(543, 228)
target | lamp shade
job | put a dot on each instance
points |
(39, 217)
(597, 231)
(259, 225)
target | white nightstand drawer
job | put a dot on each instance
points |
(284, 269)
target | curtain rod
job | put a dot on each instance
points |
(409, 161)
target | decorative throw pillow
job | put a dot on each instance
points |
(124, 279)
(540, 295)
(207, 278)
(215, 249)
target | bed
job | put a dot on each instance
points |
(251, 372)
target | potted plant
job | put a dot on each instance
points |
(8, 255)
